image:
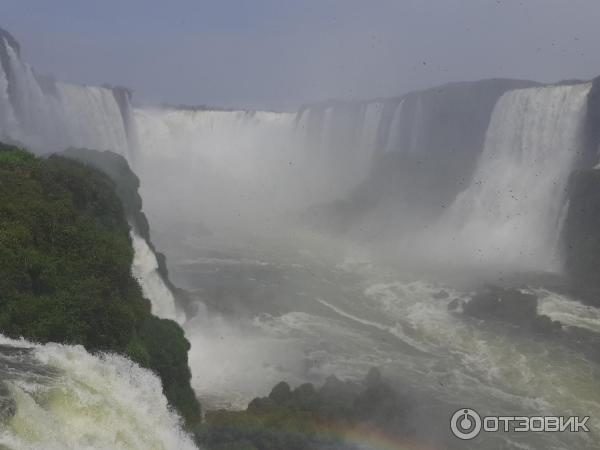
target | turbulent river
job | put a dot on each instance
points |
(300, 314)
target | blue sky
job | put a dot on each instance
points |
(279, 54)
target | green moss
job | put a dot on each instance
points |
(65, 270)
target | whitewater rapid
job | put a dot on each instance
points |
(60, 397)
(309, 319)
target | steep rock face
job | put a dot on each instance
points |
(510, 306)
(126, 183)
(581, 231)
(581, 234)
(127, 188)
(65, 270)
(426, 148)
(592, 127)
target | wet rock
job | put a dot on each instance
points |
(8, 407)
(545, 325)
(581, 235)
(281, 393)
(373, 377)
(441, 295)
(502, 304)
(510, 306)
(454, 304)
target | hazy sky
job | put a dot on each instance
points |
(281, 53)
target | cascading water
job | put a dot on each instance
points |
(396, 126)
(219, 136)
(51, 116)
(416, 128)
(8, 121)
(92, 118)
(145, 270)
(240, 166)
(59, 397)
(38, 117)
(262, 164)
(327, 132)
(228, 151)
(217, 167)
(337, 144)
(230, 145)
(373, 113)
(511, 212)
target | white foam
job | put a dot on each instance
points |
(568, 311)
(102, 402)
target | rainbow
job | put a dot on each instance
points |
(366, 438)
(373, 439)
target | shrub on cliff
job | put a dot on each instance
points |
(65, 270)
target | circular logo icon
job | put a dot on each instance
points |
(465, 424)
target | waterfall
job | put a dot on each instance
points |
(327, 133)
(60, 397)
(145, 270)
(215, 134)
(217, 167)
(260, 163)
(8, 122)
(373, 113)
(260, 153)
(50, 116)
(511, 212)
(38, 118)
(393, 141)
(92, 118)
(417, 129)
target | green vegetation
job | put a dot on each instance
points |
(65, 270)
(126, 187)
(308, 418)
(126, 183)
